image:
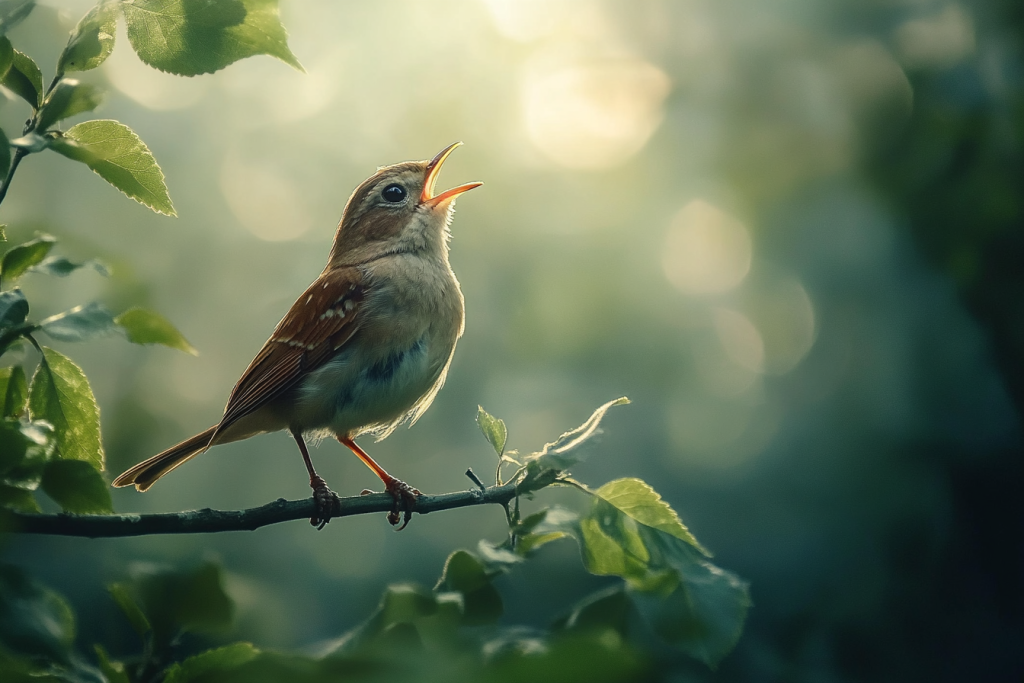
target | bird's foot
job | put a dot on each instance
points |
(405, 498)
(326, 501)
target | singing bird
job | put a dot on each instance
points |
(365, 348)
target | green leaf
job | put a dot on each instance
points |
(77, 487)
(191, 37)
(60, 266)
(182, 600)
(34, 620)
(80, 323)
(207, 665)
(92, 40)
(466, 574)
(12, 12)
(25, 448)
(122, 595)
(147, 327)
(17, 498)
(24, 78)
(493, 429)
(565, 451)
(113, 671)
(639, 501)
(13, 392)
(6, 56)
(13, 308)
(67, 99)
(607, 609)
(60, 394)
(19, 259)
(5, 165)
(117, 155)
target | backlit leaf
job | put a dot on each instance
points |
(176, 600)
(60, 266)
(147, 327)
(466, 574)
(67, 99)
(80, 323)
(16, 498)
(24, 78)
(639, 501)
(19, 259)
(13, 392)
(191, 37)
(92, 40)
(76, 486)
(61, 395)
(117, 155)
(122, 595)
(493, 429)
(114, 671)
(207, 665)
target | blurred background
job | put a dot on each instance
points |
(789, 231)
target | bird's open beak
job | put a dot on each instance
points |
(433, 168)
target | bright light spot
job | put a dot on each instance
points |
(707, 251)
(740, 339)
(149, 87)
(526, 20)
(595, 116)
(263, 200)
(720, 374)
(939, 40)
(785, 317)
(720, 434)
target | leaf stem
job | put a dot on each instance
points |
(18, 156)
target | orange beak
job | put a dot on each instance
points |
(433, 168)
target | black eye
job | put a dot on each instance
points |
(393, 193)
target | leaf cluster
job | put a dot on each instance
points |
(50, 426)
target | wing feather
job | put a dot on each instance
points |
(319, 323)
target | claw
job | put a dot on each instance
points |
(404, 497)
(326, 501)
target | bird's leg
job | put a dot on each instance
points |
(401, 492)
(323, 496)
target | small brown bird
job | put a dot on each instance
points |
(368, 344)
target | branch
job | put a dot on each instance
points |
(19, 154)
(209, 521)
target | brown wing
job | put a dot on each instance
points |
(317, 325)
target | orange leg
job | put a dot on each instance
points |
(399, 490)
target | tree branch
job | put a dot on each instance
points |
(210, 521)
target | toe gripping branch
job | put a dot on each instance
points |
(325, 500)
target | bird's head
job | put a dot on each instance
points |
(395, 210)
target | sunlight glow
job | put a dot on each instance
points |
(707, 251)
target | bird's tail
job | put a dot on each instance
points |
(147, 472)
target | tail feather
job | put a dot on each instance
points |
(147, 472)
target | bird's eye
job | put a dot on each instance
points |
(393, 193)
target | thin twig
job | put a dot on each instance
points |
(19, 154)
(211, 521)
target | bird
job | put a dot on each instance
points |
(365, 348)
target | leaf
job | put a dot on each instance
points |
(24, 78)
(466, 574)
(636, 499)
(80, 323)
(493, 429)
(121, 594)
(77, 487)
(113, 671)
(209, 664)
(12, 12)
(34, 620)
(59, 266)
(148, 327)
(191, 37)
(607, 609)
(67, 99)
(92, 40)
(19, 259)
(175, 600)
(6, 56)
(25, 448)
(117, 155)
(60, 394)
(13, 308)
(16, 498)
(13, 392)
(5, 165)
(565, 451)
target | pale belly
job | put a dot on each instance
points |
(352, 395)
